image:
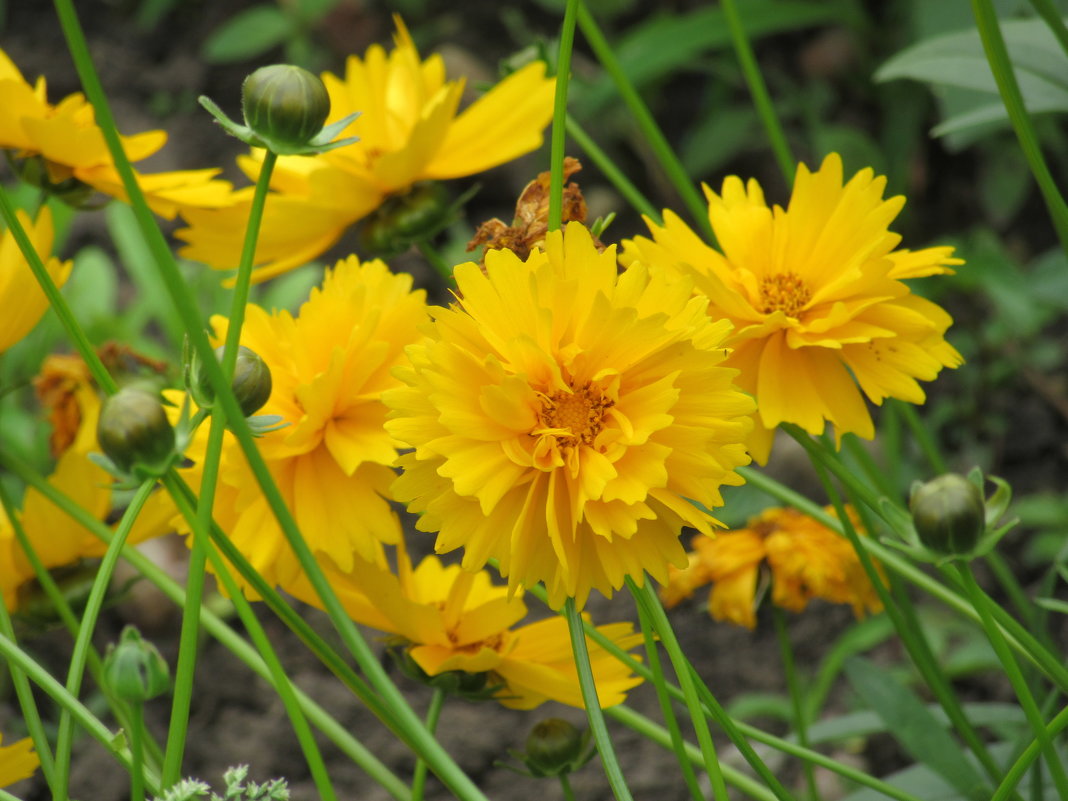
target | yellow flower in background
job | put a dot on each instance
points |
(805, 560)
(333, 461)
(451, 619)
(563, 416)
(21, 297)
(71, 149)
(17, 762)
(817, 297)
(410, 130)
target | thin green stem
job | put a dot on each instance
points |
(433, 712)
(613, 173)
(1051, 15)
(82, 716)
(400, 713)
(559, 129)
(83, 642)
(1015, 773)
(651, 132)
(678, 743)
(593, 704)
(59, 304)
(759, 90)
(923, 437)
(982, 604)
(565, 785)
(21, 683)
(283, 686)
(431, 254)
(793, 686)
(137, 738)
(860, 455)
(997, 55)
(646, 599)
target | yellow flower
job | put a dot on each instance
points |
(21, 297)
(451, 619)
(332, 463)
(72, 149)
(17, 762)
(564, 415)
(409, 131)
(806, 560)
(817, 298)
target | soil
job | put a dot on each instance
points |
(236, 718)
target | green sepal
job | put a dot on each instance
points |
(320, 143)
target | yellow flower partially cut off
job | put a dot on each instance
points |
(17, 762)
(21, 297)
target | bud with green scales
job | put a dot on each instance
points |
(134, 432)
(134, 669)
(251, 383)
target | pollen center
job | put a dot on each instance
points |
(785, 292)
(579, 412)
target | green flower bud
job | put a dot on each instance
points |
(554, 746)
(134, 431)
(251, 385)
(134, 668)
(405, 219)
(285, 104)
(949, 514)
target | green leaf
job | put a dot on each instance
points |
(865, 724)
(914, 727)
(247, 34)
(1053, 605)
(957, 60)
(861, 637)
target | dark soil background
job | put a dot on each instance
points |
(153, 78)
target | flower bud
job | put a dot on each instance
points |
(554, 746)
(284, 104)
(134, 668)
(134, 430)
(948, 513)
(405, 219)
(251, 384)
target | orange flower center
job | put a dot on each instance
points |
(580, 412)
(785, 292)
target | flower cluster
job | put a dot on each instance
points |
(804, 560)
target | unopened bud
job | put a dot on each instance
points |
(554, 746)
(134, 431)
(134, 668)
(949, 514)
(251, 384)
(285, 104)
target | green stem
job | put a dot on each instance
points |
(646, 599)
(615, 176)
(759, 90)
(1051, 15)
(83, 642)
(431, 254)
(793, 685)
(1015, 773)
(593, 704)
(401, 715)
(59, 304)
(433, 712)
(678, 743)
(218, 629)
(559, 130)
(187, 649)
(283, 686)
(84, 718)
(997, 55)
(982, 604)
(137, 736)
(565, 785)
(912, 636)
(860, 455)
(922, 435)
(651, 132)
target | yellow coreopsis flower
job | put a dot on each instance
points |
(333, 460)
(805, 560)
(71, 148)
(563, 417)
(817, 297)
(410, 130)
(21, 297)
(17, 762)
(450, 619)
